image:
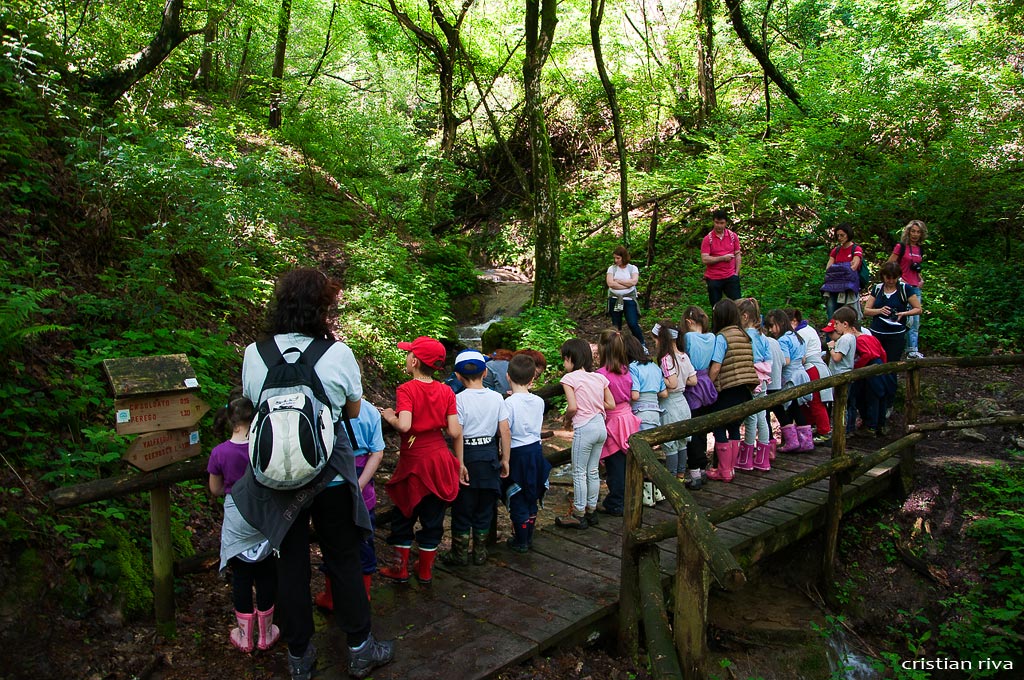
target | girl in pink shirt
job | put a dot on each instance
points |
(586, 399)
(620, 422)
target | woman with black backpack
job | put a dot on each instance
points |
(908, 254)
(889, 305)
(298, 335)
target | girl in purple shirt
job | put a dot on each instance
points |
(254, 565)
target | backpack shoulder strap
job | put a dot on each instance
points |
(269, 352)
(315, 351)
(903, 251)
(904, 298)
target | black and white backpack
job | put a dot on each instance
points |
(292, 433)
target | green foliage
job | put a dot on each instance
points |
(126, 566)
(390, 298)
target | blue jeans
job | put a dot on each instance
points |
(632, 312)
(913, 322)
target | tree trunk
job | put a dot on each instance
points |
(284, 20)
(540, 29)
(445, 57)
(596, 15)
(707, 101)
(240, 77)
(202, 79)
(110, 86)
(767, 89)
(760, 53)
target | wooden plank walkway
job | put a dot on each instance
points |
(475, 621)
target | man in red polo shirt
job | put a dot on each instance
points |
(720, 253)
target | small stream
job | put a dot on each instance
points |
(845, 661)
(503, 294)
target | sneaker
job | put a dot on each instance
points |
(822, 438)
(693, 484)
(915, 355)
(302, 668)
(373, 654)
(611, 513)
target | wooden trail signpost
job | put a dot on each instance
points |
(155, 397)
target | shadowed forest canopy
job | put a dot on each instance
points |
(162, 161)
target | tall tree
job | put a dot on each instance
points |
(445, 56)
(111, 85)
(705, 22)
(760, 52)
(284, 20)
(596, 16)
(541, 19)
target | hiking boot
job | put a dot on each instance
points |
(302, 668)
(572, 521)
(372, 654)
(592, 518)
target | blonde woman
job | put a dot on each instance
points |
(908, 254)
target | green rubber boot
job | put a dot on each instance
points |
(480, 547)
(458, 556)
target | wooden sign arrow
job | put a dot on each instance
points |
(158, 412)
(157, 449)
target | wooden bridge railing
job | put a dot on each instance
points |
(680, 650)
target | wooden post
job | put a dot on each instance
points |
(834, 506)
(912, 409)
(693, 581)
(163, 560)
(629, 581)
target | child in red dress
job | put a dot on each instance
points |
(427, 477)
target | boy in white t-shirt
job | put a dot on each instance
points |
(485, 449)
(842, 349)
(527, 481)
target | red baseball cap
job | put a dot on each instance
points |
(831, 326)
(429, 351)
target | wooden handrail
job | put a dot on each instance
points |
(66, 497)
(660, 645)
(723, 564)
(685, 428)
(961, 424)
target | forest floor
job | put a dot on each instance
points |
(770, 629)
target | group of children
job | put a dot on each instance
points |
(495, 451)
(742, 356)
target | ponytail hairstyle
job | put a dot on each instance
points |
(749, 309)
(697, 315)
(779, 318)
(668, 338)
(611, 351)
(238, 411)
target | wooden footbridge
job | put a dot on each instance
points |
(646, 574)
